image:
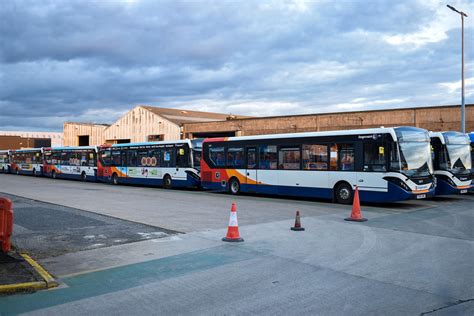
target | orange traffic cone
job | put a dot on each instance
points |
(233, 229)
(356, 215)
(297, 226)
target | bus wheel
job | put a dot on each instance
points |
(344, 193)
(17, 171)
(53, 174)
(3, 170)
(167, 182)
(83, 176)
(234, 186)
(115, 179)
(34, 172)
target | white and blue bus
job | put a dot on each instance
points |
(4, 161)
(387, 164)
(165, 163)
(452, 162)
(26, 161)
(78, 163)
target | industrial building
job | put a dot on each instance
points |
(147, 123)
(434, 118)
(19, 139)
(142, 123)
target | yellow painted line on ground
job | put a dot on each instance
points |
(48, 278)
(47, 283)
(27, 286)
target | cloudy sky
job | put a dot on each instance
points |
(94, 60)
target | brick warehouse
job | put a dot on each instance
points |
(433, 118)
(146, 123)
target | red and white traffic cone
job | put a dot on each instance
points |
(297, 226)
(233, 229)
(356, 214)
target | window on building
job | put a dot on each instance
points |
(315, 157)
(268, 157)
(216, 155)
(346, 156)
(289, 158)
(374, 157)
(235, 157)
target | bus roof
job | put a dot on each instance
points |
(169, 142)
(382, 130)
(27, 150)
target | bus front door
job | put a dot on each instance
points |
(251, 170)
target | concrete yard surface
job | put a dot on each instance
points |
(410, 258)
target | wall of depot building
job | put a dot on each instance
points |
(441, 118)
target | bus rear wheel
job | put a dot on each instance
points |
(34, 172)
(234, 186)
(83, 176)
(115, 179)
(167, 182)
(344, 193)
(53, 174)
(17, 171)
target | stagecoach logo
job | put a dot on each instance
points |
(218, 175)
(149, 161)
(368, 136)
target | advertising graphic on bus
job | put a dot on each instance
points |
(167, 164)
(71, 163)
(452, 162)
(387, 164)
(26, 161)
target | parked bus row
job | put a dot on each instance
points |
(387, 164)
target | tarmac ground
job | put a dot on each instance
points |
(413, 257)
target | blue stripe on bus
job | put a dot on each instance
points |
(181, 183)
(444, 188)
(394, 193)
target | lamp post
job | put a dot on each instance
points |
(463, 105)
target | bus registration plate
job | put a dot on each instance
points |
(421, 196)
(463, 191)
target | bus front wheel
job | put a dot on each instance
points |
(344, 193)
(167, 182)
(234, 186)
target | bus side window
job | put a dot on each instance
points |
(131, 158)
(182, 157)
(216, 155)
(168, 159)
(374, 157)
(346, 157)
(289, 158)
(251, 158)
(105, 157)
(64, 159)
(116, 158)
(315, 157)
(235, 157)
(268, 157)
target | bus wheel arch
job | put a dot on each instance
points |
(343, 192)
(167, 182)
(234, 186)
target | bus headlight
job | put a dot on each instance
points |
(398, 182)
